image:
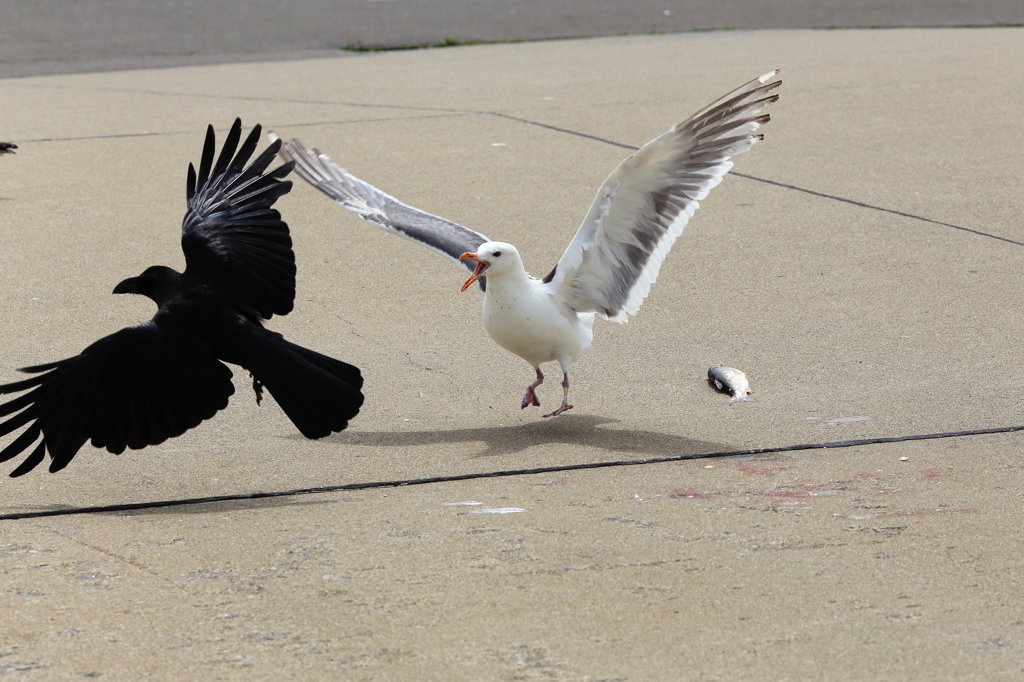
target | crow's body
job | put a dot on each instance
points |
(155, 380)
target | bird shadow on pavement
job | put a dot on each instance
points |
(577, 430)
(199, 506)
(226, 506)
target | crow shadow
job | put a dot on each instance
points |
(196, 505)
(226, 506)
(578, 430)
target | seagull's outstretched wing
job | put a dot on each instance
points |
(646, 202)
(380, 209)
(137, 387)
(232, 237)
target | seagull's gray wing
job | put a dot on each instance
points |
(646, 202)
(380, 209)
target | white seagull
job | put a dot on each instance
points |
(614, 258)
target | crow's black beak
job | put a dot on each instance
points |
(132, 285)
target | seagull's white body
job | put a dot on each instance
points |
(526, 316)
(523, 316)
(609, 267)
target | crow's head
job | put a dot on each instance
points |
(157, 282)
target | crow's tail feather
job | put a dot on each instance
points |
(318, 393)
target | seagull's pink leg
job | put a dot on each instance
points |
(531, 397)
(565, 399)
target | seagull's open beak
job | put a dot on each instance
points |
(481, 268)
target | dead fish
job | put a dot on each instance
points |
(7, 147)
(732, 381)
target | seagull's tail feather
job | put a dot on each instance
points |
(318, 393)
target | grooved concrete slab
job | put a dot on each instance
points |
(861, 267)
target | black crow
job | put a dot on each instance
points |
(155, 380)
(7, 147)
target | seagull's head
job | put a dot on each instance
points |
(492, 258)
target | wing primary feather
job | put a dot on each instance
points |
(20, 443)
(228, 150)
(17, 421)
(62, 407)
(248, 147)
(19, 386)
(734, 107)
(35, 369)
(730, 126)
(12, 406)
(721, 106)
(268, 189)
(722, 145)
(209, 147)
(32, 462)
(282, 170)
(245, 153)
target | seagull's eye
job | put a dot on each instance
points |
(497, 253)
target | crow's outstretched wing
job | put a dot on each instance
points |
(136, 387)
(233, 239)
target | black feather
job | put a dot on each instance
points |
(31, 462)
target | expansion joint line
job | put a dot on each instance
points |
(796, 188)
(495, 474)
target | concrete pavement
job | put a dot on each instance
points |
(863, 270)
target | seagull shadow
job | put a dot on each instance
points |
(578, 430)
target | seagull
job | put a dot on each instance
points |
(156, 380)
(613, 260)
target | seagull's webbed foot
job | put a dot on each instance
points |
(531, 396)
(565, 397)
